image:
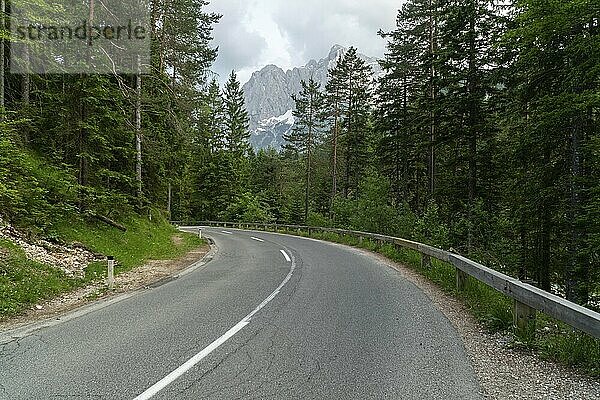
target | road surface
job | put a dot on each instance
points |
(270, 317)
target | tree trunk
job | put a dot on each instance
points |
(472, 128)
(433, 94)
(575, 287)
(2, 55)
(543, 269)
(82, 147)
(334, 145)
(308, 155)
(138, 131)
(25, 80)
(169, 197)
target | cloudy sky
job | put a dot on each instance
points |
(289, 33)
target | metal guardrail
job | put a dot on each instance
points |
(527, 298)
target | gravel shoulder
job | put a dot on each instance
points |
(503, 371)
(148, 274)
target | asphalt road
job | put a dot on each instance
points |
(330, 323)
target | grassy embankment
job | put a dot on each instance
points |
(553, 340)
(24, 283)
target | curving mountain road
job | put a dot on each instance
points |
(270, 317)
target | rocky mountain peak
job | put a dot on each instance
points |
(268, 95)
(336, 51)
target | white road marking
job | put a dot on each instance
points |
(227, 233)
(257, 239)
(176, 373)
(287, 258)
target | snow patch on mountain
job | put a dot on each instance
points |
(270, 131)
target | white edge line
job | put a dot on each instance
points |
(27, 330)
(257, 239)
(287, 258)
(176, 373)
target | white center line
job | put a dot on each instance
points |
(287, 258)
(257, 239)
(182, 369)
(227, 233)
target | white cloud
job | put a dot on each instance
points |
(288, 33)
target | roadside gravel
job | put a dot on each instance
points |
(504, 373)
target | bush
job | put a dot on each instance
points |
(430, 229)
(32, 193)
(247, 208)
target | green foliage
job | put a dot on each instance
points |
(24, 283)
(235, 118)
(32, 193)
(307, 132)
(144, 239)
(316, 219)
(431, 229)
(572, 348)
(347, 108)
(247, 208)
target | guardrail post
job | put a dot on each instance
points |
(425, 261)
(461, 280)
(523, 318)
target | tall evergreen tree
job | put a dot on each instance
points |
(554, 87)
(468, 88)
(305, 135)
(398, 154)
(349, 90)
(236, 117)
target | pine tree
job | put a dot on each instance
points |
(305, 135)
(349, 91)
(398, 154)
(409, 95)
(215, 110)
(236, 117)
(468, 86)
(554, 81)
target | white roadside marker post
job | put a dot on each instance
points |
(199, 233)
(111, 272)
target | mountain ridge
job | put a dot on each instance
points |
(267, 95)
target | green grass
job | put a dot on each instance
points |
(570, 348)
(553, 340)
(143, 240)
(24, 283)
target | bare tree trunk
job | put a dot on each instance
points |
(308, 156)
(573, 282)
(349, 138)
(433, 93)
(138, 131)
(472, 128)
(82, 147)
(25, 81)
(543, 275)
(2, 55)
(308, 167)
(169, 197)
(335, 144)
